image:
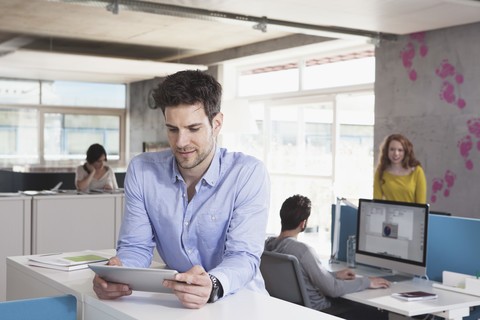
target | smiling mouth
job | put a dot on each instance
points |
(185, 153)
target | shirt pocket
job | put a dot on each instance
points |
(212, 228)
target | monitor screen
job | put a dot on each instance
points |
(393, 235)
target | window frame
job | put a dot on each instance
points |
(44, 109)
(231, 74)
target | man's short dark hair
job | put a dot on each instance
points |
(294, 210)
(190, 87)
(94, 152)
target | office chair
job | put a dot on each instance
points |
(283, 277)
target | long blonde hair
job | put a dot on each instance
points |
(409, 160)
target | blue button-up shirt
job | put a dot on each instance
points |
(222, 228)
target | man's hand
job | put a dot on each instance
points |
(346, 274)
(192, 288)
(110, 290)
(378, 283)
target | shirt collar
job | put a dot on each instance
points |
(210, 177)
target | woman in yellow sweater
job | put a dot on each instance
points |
(399, 175)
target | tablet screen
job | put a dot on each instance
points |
(141, 279)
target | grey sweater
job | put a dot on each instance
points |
(320, 283)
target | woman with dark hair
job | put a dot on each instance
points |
(399, 175)
(93, 174)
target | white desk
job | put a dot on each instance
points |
(449, 305)
(240, 306)
(24, 282)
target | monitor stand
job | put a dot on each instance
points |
(394, 276)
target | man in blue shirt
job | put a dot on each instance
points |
(203, 208)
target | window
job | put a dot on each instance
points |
(19, 91)
(341, 70)
(354, 159)
(268, 80)
(38, 125)
(68, 136)
(315, 135)
(18, 135)
(83, 94)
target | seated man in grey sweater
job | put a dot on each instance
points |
(321, 284)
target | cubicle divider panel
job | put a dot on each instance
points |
(11, 181)
(71, 223)
(6, 181)
(453, 245)
(51, 308)
(452, 242)
(15, 226)
(348, 226)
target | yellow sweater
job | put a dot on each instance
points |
(408, 188)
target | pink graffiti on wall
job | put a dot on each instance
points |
(465, 145)
(446, 71)
(438, 184)
(407, 54)
(450, 93)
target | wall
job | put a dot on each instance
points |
(427, 89)
(146, 124)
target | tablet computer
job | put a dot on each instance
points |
(141, 279)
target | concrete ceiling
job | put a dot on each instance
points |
(30, 30)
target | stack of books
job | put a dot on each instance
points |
(68, 261)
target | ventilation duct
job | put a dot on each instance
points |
(259, 23)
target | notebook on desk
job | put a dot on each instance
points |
(415, 295)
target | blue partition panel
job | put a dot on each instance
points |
(453, 245)
(453, 242)
(52, 308)
(348, 226)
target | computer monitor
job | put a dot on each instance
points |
(393, 235)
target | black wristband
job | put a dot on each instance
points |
(217, 290)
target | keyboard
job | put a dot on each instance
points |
(397, 278)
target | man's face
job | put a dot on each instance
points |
(191, 137)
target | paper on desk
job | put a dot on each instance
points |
(67, 261)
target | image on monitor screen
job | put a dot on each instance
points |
(393, 235)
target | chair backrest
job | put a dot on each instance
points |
(283, 277)
(51, 308)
